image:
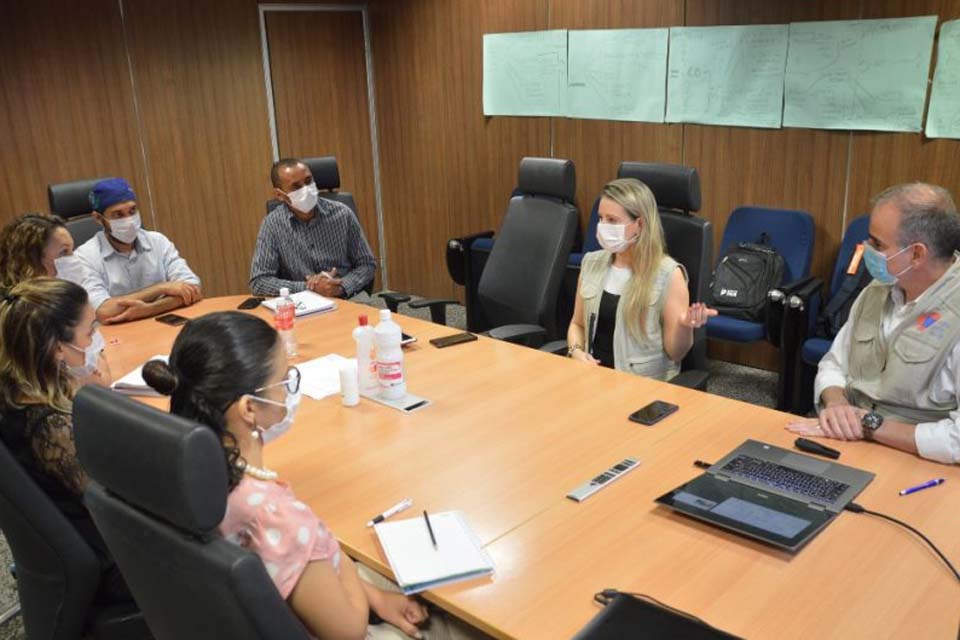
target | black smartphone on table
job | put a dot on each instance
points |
(449, 341)
(171, 319)
(250, 303)
(653, 412)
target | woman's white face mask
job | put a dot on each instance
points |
(613, 237)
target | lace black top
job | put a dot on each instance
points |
(41, 439)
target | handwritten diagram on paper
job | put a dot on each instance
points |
(524, 74)
(862, 74)
(943, 117)
(727, 75)
(617, 74)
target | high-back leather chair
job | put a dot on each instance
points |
(520, 284)
(689, 238)
(158, 491)
(326, 175)
(56, 570)
(71, 201)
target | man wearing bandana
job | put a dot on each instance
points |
(892, 374)
(131, 273)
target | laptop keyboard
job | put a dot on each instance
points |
(785, 478)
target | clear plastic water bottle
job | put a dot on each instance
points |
(283, 322)
(388, 336)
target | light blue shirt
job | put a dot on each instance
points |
(109, 273)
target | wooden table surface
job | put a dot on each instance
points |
(511, 430)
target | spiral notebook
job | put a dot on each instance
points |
(418, 566)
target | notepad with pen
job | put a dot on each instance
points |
(418, 566)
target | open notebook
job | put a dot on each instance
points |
(417, 566)
(307, 302)
(133, 383)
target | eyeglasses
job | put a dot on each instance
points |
(291, 382)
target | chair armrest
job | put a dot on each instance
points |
(556, 347)
(691, 379)
(393, 299)
(457, 250)
(775, 308)
(437, 306)
(531, 335)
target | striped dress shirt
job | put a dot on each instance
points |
(289, 250)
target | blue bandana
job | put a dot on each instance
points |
(109, 192)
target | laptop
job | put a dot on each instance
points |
(771, 494)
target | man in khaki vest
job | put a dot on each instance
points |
(893, 372)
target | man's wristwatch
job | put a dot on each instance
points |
(573, 348)
(870, 423)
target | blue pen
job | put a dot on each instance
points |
(921, 487)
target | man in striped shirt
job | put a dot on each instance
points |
(307, 242)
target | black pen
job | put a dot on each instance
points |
(433, 539)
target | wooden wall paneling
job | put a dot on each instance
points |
(597, 147)
(446, 170)
(318, 68)
(199, 78)
(66, 104)
(783, 168)
(880, 160)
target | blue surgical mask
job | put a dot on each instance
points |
(877, 264)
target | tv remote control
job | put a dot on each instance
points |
(615, 472)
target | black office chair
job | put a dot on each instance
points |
(57, 572)
(158, 491)
(518, 290)
(326, 175)
(71, 201)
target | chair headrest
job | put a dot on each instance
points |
(673, 185)
(548, 177)
(326, 175)
(71, 199)
(163, 464)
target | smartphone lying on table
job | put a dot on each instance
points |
(653, 413)
(456, 338)
(171, 319)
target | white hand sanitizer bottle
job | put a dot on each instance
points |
(387, 336)
(366, 358)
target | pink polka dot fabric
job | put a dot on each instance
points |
(266, 518)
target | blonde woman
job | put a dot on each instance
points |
(49, 346)
(632, 310)
(37, 244)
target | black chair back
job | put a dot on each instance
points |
(689, 238)
(57, 571)
(71, 201)
(521, 280)
(158, 492)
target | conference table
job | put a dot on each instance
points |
(509, 431)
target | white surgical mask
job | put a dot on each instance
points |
(304, 199)
(125, 229)
(69, 268)
(612, 237)
(277, 429)
(91, 357)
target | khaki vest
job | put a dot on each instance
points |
(891, 375)
(645, 358)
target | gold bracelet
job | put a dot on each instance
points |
(570, 350)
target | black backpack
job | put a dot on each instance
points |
(834, 314)
(741, 281)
